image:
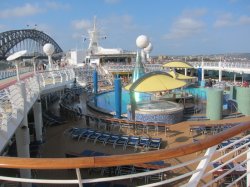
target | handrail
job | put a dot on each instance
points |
(117, 160)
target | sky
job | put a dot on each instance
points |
(174, 27)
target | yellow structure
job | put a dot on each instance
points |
(177, 65)
(155, 82)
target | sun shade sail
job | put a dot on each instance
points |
(177, 65)
(155, 82)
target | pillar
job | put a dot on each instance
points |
(132, 104)
(220, 71)
(37, 110)
(95, 81)
(23, 136)
(243, 100)
(214, 104)
(234, 77)
(22, 144)
(232, 92)
(248, 166)
(118, 98)
(185, 71)
(202, 74)
(199, 74)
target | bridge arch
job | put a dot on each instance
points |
(10, 39)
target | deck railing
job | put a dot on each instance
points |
(12, 107)
(203, 175)
(12, 104)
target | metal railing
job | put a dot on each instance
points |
(13, 104)
(207, 172)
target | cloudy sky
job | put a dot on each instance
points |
(175, 27)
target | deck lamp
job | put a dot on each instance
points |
(14, 58)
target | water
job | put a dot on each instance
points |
(198, 92)
(106, 100)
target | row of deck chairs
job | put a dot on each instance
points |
(50, 119)
(135, 142)
(202, 129)
(144, 128)
(65, 108)
(234, 143)
(121, 170)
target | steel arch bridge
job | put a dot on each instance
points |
(30, 39)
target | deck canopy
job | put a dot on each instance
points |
(155, 82)
(180, 76)
(177, 65)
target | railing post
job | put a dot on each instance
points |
(79, 177)
(248, 166)
(37, 110)
(23, 136)
(194, 180)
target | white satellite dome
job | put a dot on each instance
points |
(149, 48)
(142, 41)
(48, 49)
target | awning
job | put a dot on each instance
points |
(177, 65)
(180, 76)
(155, 82)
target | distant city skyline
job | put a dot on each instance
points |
(174, 27)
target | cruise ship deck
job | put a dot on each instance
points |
(54, 133)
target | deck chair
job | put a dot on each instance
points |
(93, 136)
(121, 141)
(124, 170)
(87, 153)
(112, 139)
(132, 142)
(86, 134)
(143, 143)
(103, 138)
(126, 126)
(76, 133)
(154, 143)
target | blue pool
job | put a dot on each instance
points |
(198, 92)
(107, 100)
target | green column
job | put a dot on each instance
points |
(214, 104)
(243, 100)
(232, 92)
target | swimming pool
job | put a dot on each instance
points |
(106, 100)
(198, 92)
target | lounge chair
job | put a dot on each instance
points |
(144, 141)
(132, 142)
(103, 138)
(93, 136)
(154, 143)
(122, 140)
(86, 134)
(112, 139)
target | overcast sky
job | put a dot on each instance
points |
(175, 27)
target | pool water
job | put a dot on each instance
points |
(106, 100)
(197, 92)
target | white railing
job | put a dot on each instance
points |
(12, 102)
(4, 74)
(232, 159)
(12, 106)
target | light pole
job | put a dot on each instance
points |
(14, 58)
(49, 50)
(34, 63)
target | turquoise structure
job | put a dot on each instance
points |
(214, 104)
(118, 98)
(232, 92)
(139, 70)
(243, 100)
